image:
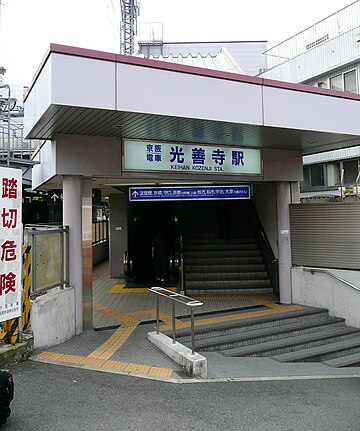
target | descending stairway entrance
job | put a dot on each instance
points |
(221, 249)
(304, 335)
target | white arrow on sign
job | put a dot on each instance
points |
(54, 197)
(135, 194)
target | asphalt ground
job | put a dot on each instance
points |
(57, 398)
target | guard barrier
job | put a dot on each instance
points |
(10, 333)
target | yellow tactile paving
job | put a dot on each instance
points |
(107, 349)
(114, 365)
(259, 299)
(120, 288)
(139, 369)
(108, 311)
(71, 358)
(94, 362)
(165, 373)
(50, 356)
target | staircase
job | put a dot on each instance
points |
(214, 264)
(306, 335)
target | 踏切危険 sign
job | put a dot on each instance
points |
(139, 194)
(192, 158)
(10, 243)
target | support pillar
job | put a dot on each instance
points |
(87, 251)
(72, 217)
(283, 197)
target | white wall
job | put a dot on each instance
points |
(323, 291)
(52, 317)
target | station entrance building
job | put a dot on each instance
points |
(185, 150)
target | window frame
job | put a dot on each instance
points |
(342, 75)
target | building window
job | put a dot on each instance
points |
(350, 82)
(322, 84)
(344, 82)
(313, 176)
(317, 175)
(336, 83)
(351, 171)
(306, 180)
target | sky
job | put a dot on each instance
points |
(27, 27)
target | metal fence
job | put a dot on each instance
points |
(338, 23)
(49, 257)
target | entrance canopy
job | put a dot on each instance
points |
(85, 92)
(90, 93)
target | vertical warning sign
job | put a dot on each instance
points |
(10, 243)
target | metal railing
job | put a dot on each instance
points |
(100, 231)
(49, 257)
(330, 27)
(313, 270)
(181, 299)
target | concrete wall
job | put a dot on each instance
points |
(264, 200)
(323, 291)
(118, 233)
(52, 317)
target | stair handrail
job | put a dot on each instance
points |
(313, 270)
(181, 268)
(182, 299)
(271, 261)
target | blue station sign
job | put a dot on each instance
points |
(142, 194)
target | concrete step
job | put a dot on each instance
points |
(207, 276)
(220, 247)
(244, 232)
(256, 267)
(324, 352)
(262, 335)
(221, 260)
(231, 291)
(224, 253)
(344, 361)
(244, 239)
(277, 348)
(251, 323)
(226, 284)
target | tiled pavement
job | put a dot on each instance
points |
(129, 314)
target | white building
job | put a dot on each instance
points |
(325, 55)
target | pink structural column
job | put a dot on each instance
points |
(72, 217)
(87, 251)
(283, 198)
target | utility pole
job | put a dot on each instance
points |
(128, 25)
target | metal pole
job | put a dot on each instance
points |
(192, 332)
(342, 183)
(357, 186)
(182, 276)
(173, 322)
(157, 314)
(62, 259)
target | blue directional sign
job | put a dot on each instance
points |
(141, 194)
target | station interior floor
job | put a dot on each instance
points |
(122, 316)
